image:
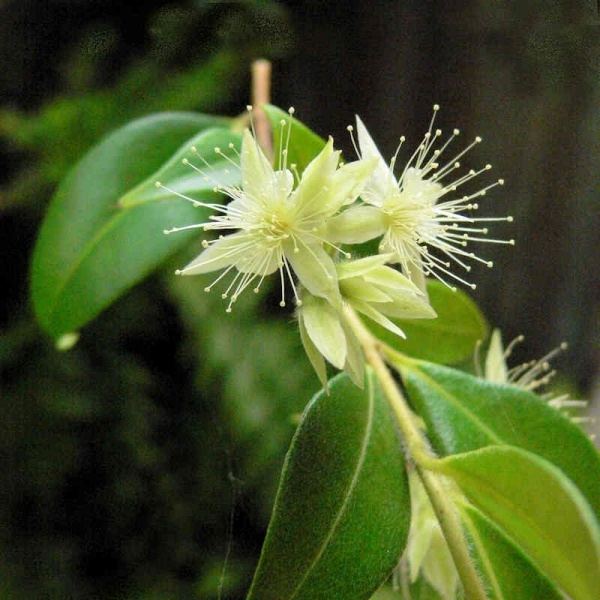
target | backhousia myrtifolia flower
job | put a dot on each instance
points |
(276, 222)
(374, 290)
(300, 226)
(424, 223)
(532, 376)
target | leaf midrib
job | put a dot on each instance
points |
(110, 224)
(353, 482)
(501, 499)
(453, 401)
(485, 556)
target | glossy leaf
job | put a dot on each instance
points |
(304, 144)
(463, 413)
(539, 508)
(90, 250)
(186, 171)
(450, 338)
(342, 511)
(510, 574)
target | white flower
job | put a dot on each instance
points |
(371, 288)
(427, 552)
(277, 222)
(422, 220)
(530, 376)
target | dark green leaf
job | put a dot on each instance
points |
(90, 251)
(448, 339)
(304, 144)
(510, 574)
(342, 511)
(419, 590)
(539, 508)
(463, 413)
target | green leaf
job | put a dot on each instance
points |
(448, 339)
(90, 251)
(463, 413)
(342, 511)
(304, 144)
(539, 508)
(186, 171)
(509, 571)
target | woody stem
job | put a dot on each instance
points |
(424, 460)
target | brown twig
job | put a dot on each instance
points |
(261, 95)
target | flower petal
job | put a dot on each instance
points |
(311, 193)
(314, 356)
(407, 306)
(315, 269)
(416, 273)
(284, 182)
(357, 288)
(220, 254)
(355, 360)
(390, 279)
(347, 183)
(495, 364)
(360, 266)
(382, 182)
(375, 315)
(257, 172)
(356, 225)
(324, 328)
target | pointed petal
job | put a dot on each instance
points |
(420, 190)
(355, 360)
(357, 288)
(259, 260)
(315, 269)
(375, 315)
(310, 195)
(348, 182)
(422, 524)
(314, 356)
(407, 306)
(356, 225)
(360, 266)
(257, 172)
(439, 568)
(324, 328)
(220, 254)
(495, 364)
(284, 182)
(416, 274)
(389, 278)
(382, 182)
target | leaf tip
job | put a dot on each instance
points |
(67, 341)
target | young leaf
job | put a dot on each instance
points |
(509, 571)
(539, 508)
(304, 144)
(463, 413)
(448, 339)
(342, 511)
(90, 250)
(187, 173)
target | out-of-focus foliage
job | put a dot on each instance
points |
(195, 55)
(124, 457)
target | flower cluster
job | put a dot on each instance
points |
(300, 225)
(533, 375)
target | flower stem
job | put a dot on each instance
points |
(424, 461)
(261, 95)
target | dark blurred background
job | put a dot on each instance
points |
(133, 464)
